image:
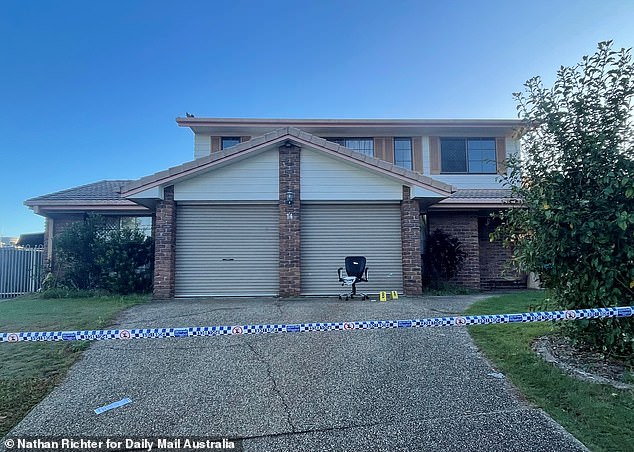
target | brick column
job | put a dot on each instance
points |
(289, 221)
(410, 242)
(165, 246)
(463, 226)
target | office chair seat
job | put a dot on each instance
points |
(356, 272)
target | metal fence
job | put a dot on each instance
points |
(20, 271)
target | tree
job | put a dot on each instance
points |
(575, 179)
(92, 255)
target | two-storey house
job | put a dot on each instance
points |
(273, 206)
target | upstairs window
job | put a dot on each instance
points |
(362, 145)
(403, 152)
(468, 155)
(227, 142)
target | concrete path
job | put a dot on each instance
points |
(396, 390)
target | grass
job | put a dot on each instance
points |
(600, 416)
(445, 289)
(29, 371)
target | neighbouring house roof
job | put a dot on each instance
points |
(279, 136)
(31, 240)
(102, 195)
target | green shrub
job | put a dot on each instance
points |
(443, 259)
(125, 260)
(91, 256)
(76, 252)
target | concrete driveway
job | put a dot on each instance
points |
(405, 390)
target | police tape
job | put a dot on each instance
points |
(237, 330)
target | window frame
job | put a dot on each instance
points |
(411, 152)
(342, 142)
(466, 141)
(222, 142)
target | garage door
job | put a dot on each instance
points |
(330, 232)
(226, 250)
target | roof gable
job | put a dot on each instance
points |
(293, 136)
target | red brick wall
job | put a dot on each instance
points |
(410, 240)
(60, 224)
(165, 246)
(495, 271)
(289, 221)
(463, 226)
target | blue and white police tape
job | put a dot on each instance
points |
(236, 330)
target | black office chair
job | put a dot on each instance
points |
(356, 272)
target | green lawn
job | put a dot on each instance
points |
(600, 416)
(29, 371)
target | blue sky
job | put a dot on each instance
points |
(89, 90)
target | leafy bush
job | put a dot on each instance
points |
(575, 178)
(125, 259)
(444, 258)
(76, 252)
(89, 255)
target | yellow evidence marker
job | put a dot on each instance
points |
(394, 295)
(383, 296)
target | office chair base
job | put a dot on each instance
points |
(350, 296)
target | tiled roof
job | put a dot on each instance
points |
(110, 190)
(105, 190)
(279, 136)
(478, 198)
(481, 193)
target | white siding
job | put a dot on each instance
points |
(418, 192)
(152, 193)
(325, 178)
(202, 145)
(470, 180)
(252, 179)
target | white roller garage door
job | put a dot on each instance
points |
(227, 250)
(330, 232)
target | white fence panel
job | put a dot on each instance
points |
(20, 271)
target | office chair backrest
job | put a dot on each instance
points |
(355, 266)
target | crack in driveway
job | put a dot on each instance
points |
(276, 389)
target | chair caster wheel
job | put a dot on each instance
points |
(347, 298)
(340, 298)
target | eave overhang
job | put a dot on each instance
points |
(359, 127)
